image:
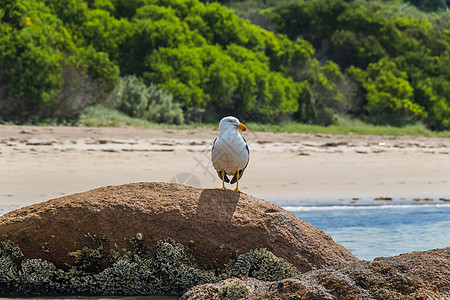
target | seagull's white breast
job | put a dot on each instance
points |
(229, 152)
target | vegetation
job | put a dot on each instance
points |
(99, 116)
(211, 61)
(350, 127)
(397, 56)
(184, 61)
(133, 97)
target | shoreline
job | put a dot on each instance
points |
(41, 163)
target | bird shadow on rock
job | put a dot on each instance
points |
(217, 204)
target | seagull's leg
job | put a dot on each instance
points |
(223, 180)
(237, 183)
(223, 188)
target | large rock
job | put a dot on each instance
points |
(416, 275)
(218, 223)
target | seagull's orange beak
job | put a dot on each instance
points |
(241, 127)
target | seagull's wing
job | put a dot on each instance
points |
(241, 172)
(219, 172)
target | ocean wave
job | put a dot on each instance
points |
(363, 207)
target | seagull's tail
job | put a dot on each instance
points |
(227, 180)
(241, 172)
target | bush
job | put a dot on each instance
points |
(401, 53)
(44, 73)
(133, 97)
(388, 93)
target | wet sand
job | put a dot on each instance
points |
(40, 163)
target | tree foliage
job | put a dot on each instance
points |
(36, 53)
(59, 56)
(397, 55)
(203, 55)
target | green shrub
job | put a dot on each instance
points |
(401, 52)
(133, 97)
(100, 116)
(388, 93)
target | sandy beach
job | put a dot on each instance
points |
(40, 163)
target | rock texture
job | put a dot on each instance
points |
(218, 223)
(416, 275)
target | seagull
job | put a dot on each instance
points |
(230, 152)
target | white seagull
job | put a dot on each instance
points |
(230, 153)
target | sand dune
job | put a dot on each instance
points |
(39, 163)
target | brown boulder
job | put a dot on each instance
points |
(416, 275)
(218, 223)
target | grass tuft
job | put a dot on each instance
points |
(349, 127)
(99, 116)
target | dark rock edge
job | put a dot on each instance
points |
(416, 275)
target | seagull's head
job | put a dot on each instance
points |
(229, 123)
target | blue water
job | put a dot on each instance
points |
(370, 231)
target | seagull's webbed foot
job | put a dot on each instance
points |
(223, 189)
(238, 191)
